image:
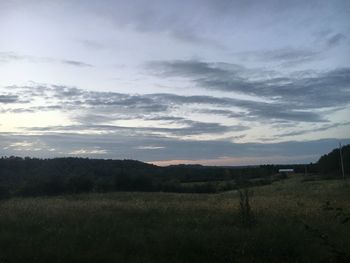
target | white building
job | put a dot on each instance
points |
(286, 170)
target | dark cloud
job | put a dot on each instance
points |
(258, 111)
(306, 90)
(190, 128)
(191, 68)
(335, 40)
(280, 111)
(75, 63)
(8, 99)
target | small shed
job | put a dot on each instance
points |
(286, 170)
(283, 173)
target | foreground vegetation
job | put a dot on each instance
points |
(293, 220)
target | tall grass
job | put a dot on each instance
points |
(163, 227)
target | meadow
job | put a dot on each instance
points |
(292, 220)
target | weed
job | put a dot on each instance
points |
(245, 210)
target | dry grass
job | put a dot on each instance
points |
(163, 227)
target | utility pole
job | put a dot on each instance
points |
(341, 160)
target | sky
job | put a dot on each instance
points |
(168, 82)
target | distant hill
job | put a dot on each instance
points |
(330, 163)
(34, 177)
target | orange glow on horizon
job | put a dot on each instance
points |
(236, 161)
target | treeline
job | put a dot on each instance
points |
(331, 163)
(34, 177)
(31, 176)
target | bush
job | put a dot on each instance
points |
(79, 184)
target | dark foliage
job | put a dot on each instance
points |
(330, 163)
(35, 177)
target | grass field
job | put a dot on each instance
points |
(295, 221)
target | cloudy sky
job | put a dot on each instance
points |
(193, 81)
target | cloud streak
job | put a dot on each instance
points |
(7, 57)
(108, 106)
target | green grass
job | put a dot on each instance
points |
(163, 227)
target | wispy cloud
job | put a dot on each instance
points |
(102, 107)
(324, 127)
(94, 151)
(6, 57)
(284, 57)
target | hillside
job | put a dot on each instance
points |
(35, 177)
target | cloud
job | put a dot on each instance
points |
(335, 39)
(25, 146)
(200, 21)
(191, 128)
(175, 20)
(94, 151)
(288, 54)
(285, 57)
(149, 147)
(91, 44)
(161, 116)
(275, 88)
(156, 131)
(91, 108)
(12, 56)
(8, 99)
(75, 63)
(303, 91)
(96, 107)
(315, 129)
(252, 110)
(120, 146)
